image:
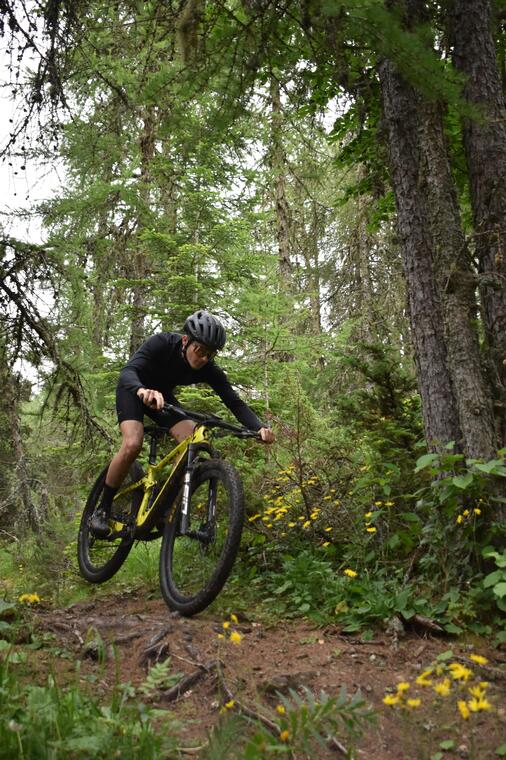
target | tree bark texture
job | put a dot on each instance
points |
(435, 250)
(425, 311)
(456, 284)
(485, 148)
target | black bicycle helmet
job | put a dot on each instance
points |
(207, 329)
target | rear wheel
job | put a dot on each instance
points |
(98, 558)
(194, 567)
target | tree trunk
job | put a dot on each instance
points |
(430, 226)
(485, 148)
(456, 283)
(401, 116)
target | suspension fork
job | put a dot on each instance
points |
(187, 480)
(193, 450)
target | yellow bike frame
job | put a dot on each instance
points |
(200, 436)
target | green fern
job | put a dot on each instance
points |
(159, 678)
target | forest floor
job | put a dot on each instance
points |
(268, 661)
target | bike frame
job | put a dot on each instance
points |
(149, 510)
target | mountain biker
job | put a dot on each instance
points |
(146, 383)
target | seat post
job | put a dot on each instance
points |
(152, 450)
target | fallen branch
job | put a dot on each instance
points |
(188, 681)
(154, 650)
(332, 742)
(244, 708)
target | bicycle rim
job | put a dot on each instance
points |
(99, 559)
(193, 569)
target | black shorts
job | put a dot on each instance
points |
(130, 407)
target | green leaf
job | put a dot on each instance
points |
(501, 750)
(425, 461)
(444, 656)
(500, 589)
(492, 578)
(463, 481)
(436, 756)
(490, 466)
(452, 628)
(500, 559)
(447, 744)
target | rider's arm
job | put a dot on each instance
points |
(218, 381)
(151, 354)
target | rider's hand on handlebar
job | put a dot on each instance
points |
(267, 435)
(153, 399)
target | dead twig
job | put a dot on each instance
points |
(273, 728)
(188, 681)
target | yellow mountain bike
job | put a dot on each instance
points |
(191, 498)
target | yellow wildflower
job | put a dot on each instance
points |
(378, 503)
(484, 684)
(466, 513)
(234, 618)
(284, 735)
(306, 524)
(368, 515)
(292, 524)
(371, 530)
(280, 709)
(459, 672)
(463, 709)
(460, 519)
(230, 704)
(29, 599)
(389, 504)
(327, 530)
(326, 543)
(391, 699)
(413, 702)
(477, 511)
(350, 573)
(402, 686)
(478, 658)
(253, 518)
(235, 637)
(443, 688)
(226, 624)
(476, 691)
(477, 705)
(423, 679)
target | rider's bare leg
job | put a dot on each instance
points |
(182, 430)
(132, 433)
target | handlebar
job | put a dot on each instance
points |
(211, 420)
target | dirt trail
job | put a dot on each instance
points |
(273, 659)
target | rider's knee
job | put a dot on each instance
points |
(132, 447)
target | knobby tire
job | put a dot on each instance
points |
(100, 559)
(192, 573)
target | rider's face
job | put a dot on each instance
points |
(197, 355)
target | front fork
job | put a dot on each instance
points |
(185, 500)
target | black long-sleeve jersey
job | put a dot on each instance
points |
(159, 364)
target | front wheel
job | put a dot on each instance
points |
(98, 558)
(194, 567)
